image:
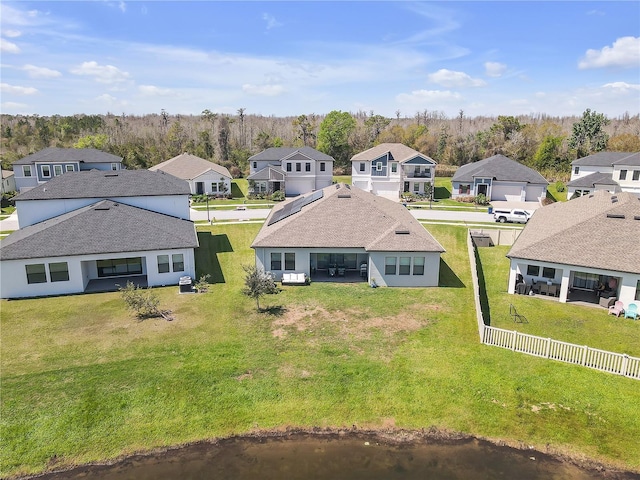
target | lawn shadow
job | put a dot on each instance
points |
(236, 192)
(482, 291)
(274, 311)
(441, 193)
(206, 255)
(448, 278)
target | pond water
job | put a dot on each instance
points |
(335, 457)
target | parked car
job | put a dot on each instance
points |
(515, 216)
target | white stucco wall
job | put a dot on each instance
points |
(207, 179)
(429, 279)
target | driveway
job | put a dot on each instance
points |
(9, 223)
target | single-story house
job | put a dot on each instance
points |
(8, 182)
(574, 247)
(42, 166)
(341, 231)
(96, 248)
(499, 179)
(611, 171)
(204, 177)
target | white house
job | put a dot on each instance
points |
(293, 170)
(499, 178)
(42, 166)
(346, 232)
(390, 169)
(575, 246)
(8, 182)
(610, 171)
(92, 231)
(203, 176)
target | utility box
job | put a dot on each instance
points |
(185, 285)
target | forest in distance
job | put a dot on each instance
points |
(547, 144)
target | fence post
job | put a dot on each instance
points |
(584, 355)
(513, 342)
(548, 348)
(625, 364)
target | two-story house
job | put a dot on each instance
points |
(94, 230)
(42, 166)
(294, 171)
(610, 171)
(390, 169)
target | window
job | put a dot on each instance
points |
(255, 164)
(288, 167)
(276, 261)
(548, 272)
(59, 271)
(178, 262)
(418, 266)
(464, 189)
(57, 170)
(623, 174)
(114, 166)
(289, 261)
(636, 175)
(362, 166)
(416, 187)
(533, 270)
(36, 273)
(119, 266)
(394, 168)
(298, 167)
(45, 170)
(26, 170)
(307, 167)
(390, 265)
(405, 265)
(214, 188)
(322, 166)
(587, 281)
(378, 166)
(576, 170)
(163, 263)
(68, 168)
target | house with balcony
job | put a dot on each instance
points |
(93, 230)
(204, 177)
(342, 233)
(610, 171)
(499, 178)
(42, 166)
(390, 169)
(294, 171)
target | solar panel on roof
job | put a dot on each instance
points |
(294, 207)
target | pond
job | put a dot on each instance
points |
(335, 456)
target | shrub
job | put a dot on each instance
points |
(481, 200)
(560, 186)
(142, 301)
(466, 199)
(277, 196)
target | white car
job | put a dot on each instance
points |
(514, 216)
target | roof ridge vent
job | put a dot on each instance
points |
(402, 231)
(615, 215)
(344, 195)
(636, 217)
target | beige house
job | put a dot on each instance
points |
(204, 177)
(571, 248)
(341, 232)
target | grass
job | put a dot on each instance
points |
(80, 387)
(552, 192)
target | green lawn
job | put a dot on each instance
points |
(82, 380)
(552, 192)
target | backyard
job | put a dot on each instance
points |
(83, 380)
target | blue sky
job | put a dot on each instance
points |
(289, 58)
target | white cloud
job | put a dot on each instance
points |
(494, 69)
(622, 87)
(8, 47)
(450, 78)
(152, 90)
(599, 13)
(625, 52)
(271, 21)
(41, 72)
(12, 106)
(101, 73)
(105, 97)
(421, 96)
(263, 90)
(6, 88)
(12, 33)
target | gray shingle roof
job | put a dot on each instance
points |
(400, 153)
(270, 172)
(85, 155)
(607, 159)
(275, 154)
(498, 167)
(580, 232)
(348, 218)
(592, 180)
(107, 184)
(104, 227)
(188, 167)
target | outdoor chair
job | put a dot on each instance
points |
(631, 311)
(617, 308)
(517, 317)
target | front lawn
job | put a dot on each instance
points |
(82, 380)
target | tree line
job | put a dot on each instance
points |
(548, 144)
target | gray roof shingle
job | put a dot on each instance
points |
(275, 154)
(270, 172)
(498, 167)
(400, 153)
(103, 227)
(188, 167)
(83, 155)
(607, 159)
(581, 232)
(348, 218)
(107, 184)
(592, 180)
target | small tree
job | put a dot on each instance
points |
(142, 301)
(202, 285)
(258, 283)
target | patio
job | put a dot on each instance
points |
(111, 284)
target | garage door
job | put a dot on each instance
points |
(299, 186)
(534, 192)
(506, 192)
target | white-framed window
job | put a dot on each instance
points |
(418, 265)
(290, 261)
(298, 167)
(255, 164)
(59, 272)
(464, 188)
(36, 273)
(636, 175)
(533, 270)
(390, 265)
(114, 166)
(288, 166)
(322, 166)
(214, 187)
(416, 187)
(26, 170)
(362, 166)
(45, 171)
(378, 166)
(548, 272)
(178, 262)
(405, 266)
(623, 174)
(576, 170)
(163, 264)
(57, 170)
(69, 168)
(276, 261)
(307, 167)
(394, 167)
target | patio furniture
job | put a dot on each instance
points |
(332, 270)
(363, 270)
(617, 308)
(631, 311)
(553, 290)
(294, 279)
(517, 317)
(341, 270)
(606, 302)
